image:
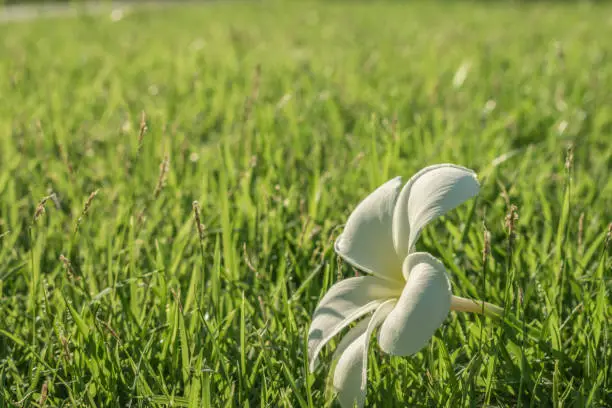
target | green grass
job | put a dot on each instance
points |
(278, 120)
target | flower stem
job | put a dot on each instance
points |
(459, 304)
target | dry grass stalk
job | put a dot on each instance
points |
(142, 130)
(86, 207)
(510, 222)
(248, 262)
(486, 250)
(163, 173)
(198, 220)
(569, 157)
(68, 267)
(42, 401)
(40, 208)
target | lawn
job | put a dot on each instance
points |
(278, 119)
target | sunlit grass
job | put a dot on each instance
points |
(278, 120)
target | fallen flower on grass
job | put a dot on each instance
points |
(407, 294)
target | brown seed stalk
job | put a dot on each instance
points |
(177, 299)
(163, 172)
(143, 129)
(248, 262)
(569, 157)
(43, 395)
(66, 348)
(486, 249)
(108, 327)
(86, 207)
(40, 208)
(510, 222)
(198, 220)
(68, 267)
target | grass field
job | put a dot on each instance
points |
(278, 120)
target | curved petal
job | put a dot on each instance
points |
(366, 241)
(353, 334)
(351, 371)
(377, 318)
(430, 193)
(345, 302)
(421, 309)
(348, 373)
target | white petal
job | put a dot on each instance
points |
(351, 371)
(348, 373)
(421, 309)
(350, 336)
(430, 193)
(366, 242)
(377, 318)
(345, 302)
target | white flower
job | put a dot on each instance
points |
(407, 294)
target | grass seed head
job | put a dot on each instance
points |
(510, 222)
(247, 261)
(40, 208)
(112, 331)
(163, 172)
(43, 394)
(198, 220)
(86, 207)
(68, 267)
(92, 195)
(569, 157)
(486, 249)
(66, 348)
(143, 129)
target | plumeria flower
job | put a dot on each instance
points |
(406, 294)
